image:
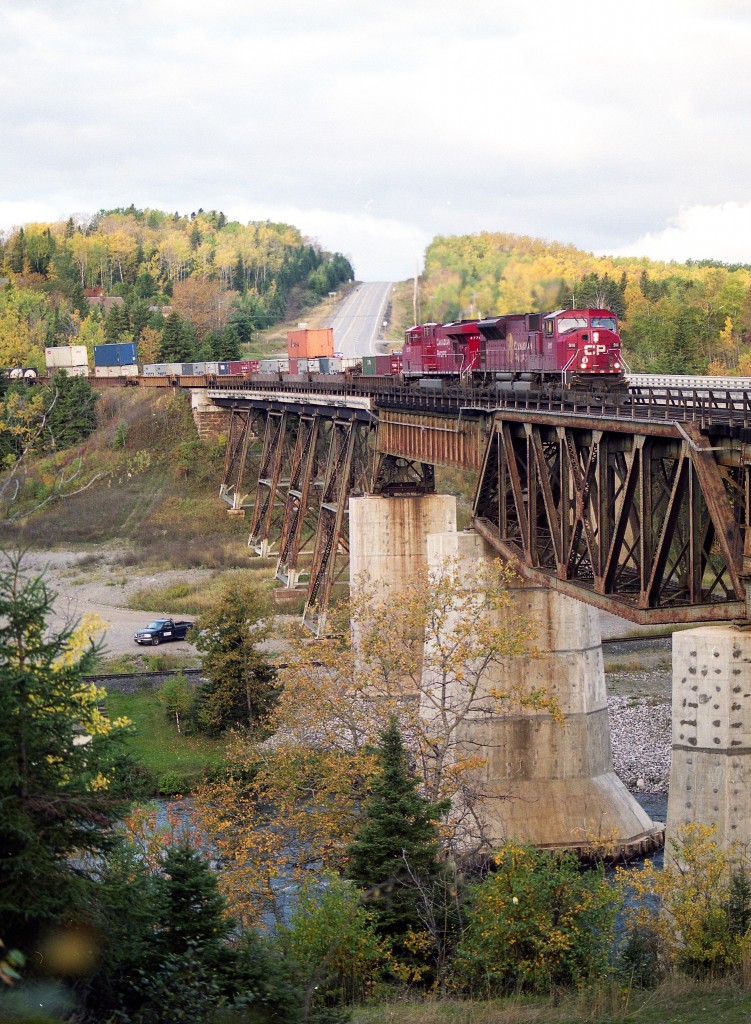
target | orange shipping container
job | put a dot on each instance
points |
(311, 344)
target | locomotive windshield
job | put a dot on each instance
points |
(606, 322)
(566, 324)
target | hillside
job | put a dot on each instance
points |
(675, 317)
(182, 288)
(142, 478)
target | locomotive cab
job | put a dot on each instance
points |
(582, 343)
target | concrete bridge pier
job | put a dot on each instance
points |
(710, 775)
(388, 536)
(545, 783)
(548, 784)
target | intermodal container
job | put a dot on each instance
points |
(72, 371)
(369, 366)
(116, 371)
(106, 355)
(241, 366)
(115, 355)
(311, 344)
(211, 368)
(305, 365)
(330, 365)
(65, 356)
(383, 366)
(273, 366)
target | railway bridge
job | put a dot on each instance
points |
(636, 503)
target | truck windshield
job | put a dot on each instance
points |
(156, 624)
(606, 322)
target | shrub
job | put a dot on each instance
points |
(698, 907)
(175, 783)
(538, 921)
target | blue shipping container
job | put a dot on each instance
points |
(115, 355)
(106, 355)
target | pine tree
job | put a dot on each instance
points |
(116, 326)
(71, 414)
(56, 764)
(193, 911)
(395, 852)
(177, 345)
(241, 684)
(229, 346)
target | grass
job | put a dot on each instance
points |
(139, 662)
(194, 598)
(638, 665)
(175, 760)
(677, 1001)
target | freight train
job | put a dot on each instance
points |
(548, 352)
(568, 348)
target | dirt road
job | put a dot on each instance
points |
(102, 586)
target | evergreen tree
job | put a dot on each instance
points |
(241, 686)
(177, 346)
(71, 411)
(229, 345)
(116, 327)
(56, 761)
(193, 911)
(138, 314)
(395, 852)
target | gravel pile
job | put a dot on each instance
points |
(641, 737)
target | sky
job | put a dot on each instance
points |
(618, 126)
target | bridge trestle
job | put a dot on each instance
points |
(647, 526)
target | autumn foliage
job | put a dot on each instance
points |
(424, 655)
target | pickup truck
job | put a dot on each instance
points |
(161, 630)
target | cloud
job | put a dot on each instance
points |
(14, 214)
(381, 249)
(701, 232)
(385, 124)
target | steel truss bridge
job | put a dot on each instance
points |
(636, 502)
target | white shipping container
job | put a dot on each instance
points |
(273, 366)
(116, 371)
(72, 371)
(65, 355)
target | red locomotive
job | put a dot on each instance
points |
(569, 348)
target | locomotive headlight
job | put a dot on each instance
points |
(616, 366)
(584, 360)
(595, 335)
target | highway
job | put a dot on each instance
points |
(358, 321)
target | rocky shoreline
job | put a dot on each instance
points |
(641, 738)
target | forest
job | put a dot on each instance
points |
(690, 317)
(186, 287)
(338, 865)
